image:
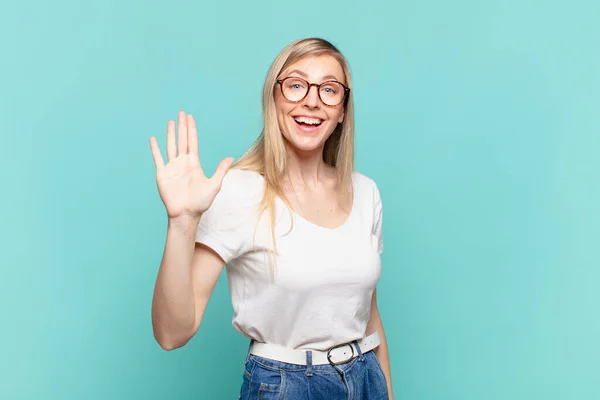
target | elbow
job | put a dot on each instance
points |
(167, 336)
(168, 345)
(169, 341)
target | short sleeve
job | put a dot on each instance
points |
(226, 226)
(378, 219)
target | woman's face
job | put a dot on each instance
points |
(308, 123)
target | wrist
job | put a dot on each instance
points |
(184, 223)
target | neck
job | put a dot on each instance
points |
(305, 168)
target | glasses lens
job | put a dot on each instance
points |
(332, 93)
(294, 89)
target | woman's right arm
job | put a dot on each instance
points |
(186, 279)
(188, 271)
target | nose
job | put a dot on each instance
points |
(312, 98)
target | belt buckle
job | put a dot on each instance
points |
(336, 347)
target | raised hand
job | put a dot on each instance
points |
(182, 185)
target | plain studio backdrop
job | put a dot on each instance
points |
(479, 121)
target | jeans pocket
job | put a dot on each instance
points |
(248, 367)
(271, 382)
(246, 378)
(269, 391)
(245, 388)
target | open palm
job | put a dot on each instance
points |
(182, 185)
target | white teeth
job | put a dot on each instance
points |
(311, 121)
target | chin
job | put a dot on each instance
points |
(306, 147)
(306, 142)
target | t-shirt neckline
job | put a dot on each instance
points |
(343, 224)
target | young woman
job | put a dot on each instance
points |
(300, 233)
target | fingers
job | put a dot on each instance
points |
(158, 160)
(193, 141)
(186, 139)
(222, 169)
(171, 148)
(192, 135)
(182, 132)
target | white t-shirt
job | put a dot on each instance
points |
(324, 278)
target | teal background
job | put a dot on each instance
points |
(479, 121)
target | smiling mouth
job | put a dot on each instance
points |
(308, 122)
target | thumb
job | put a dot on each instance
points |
(222, 169)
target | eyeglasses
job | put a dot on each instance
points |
(332, 93)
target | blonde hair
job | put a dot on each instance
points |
(267, 155)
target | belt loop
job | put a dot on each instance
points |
(249, 348)
(309, 365)
(361, 357)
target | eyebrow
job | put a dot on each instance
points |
(326, 77)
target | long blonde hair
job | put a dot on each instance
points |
(267, 155)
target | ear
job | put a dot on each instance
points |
(341, 118)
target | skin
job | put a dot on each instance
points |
(189, 271)
(311, 185)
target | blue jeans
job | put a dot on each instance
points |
(358, 379)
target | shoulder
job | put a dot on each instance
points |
(363, 179)
(369, 199)
(242, 184)
(243, 177)
(365, 185)
(226, 226)
(240, 193)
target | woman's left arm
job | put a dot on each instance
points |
(381, 351)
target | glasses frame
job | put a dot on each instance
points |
(318, 86)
